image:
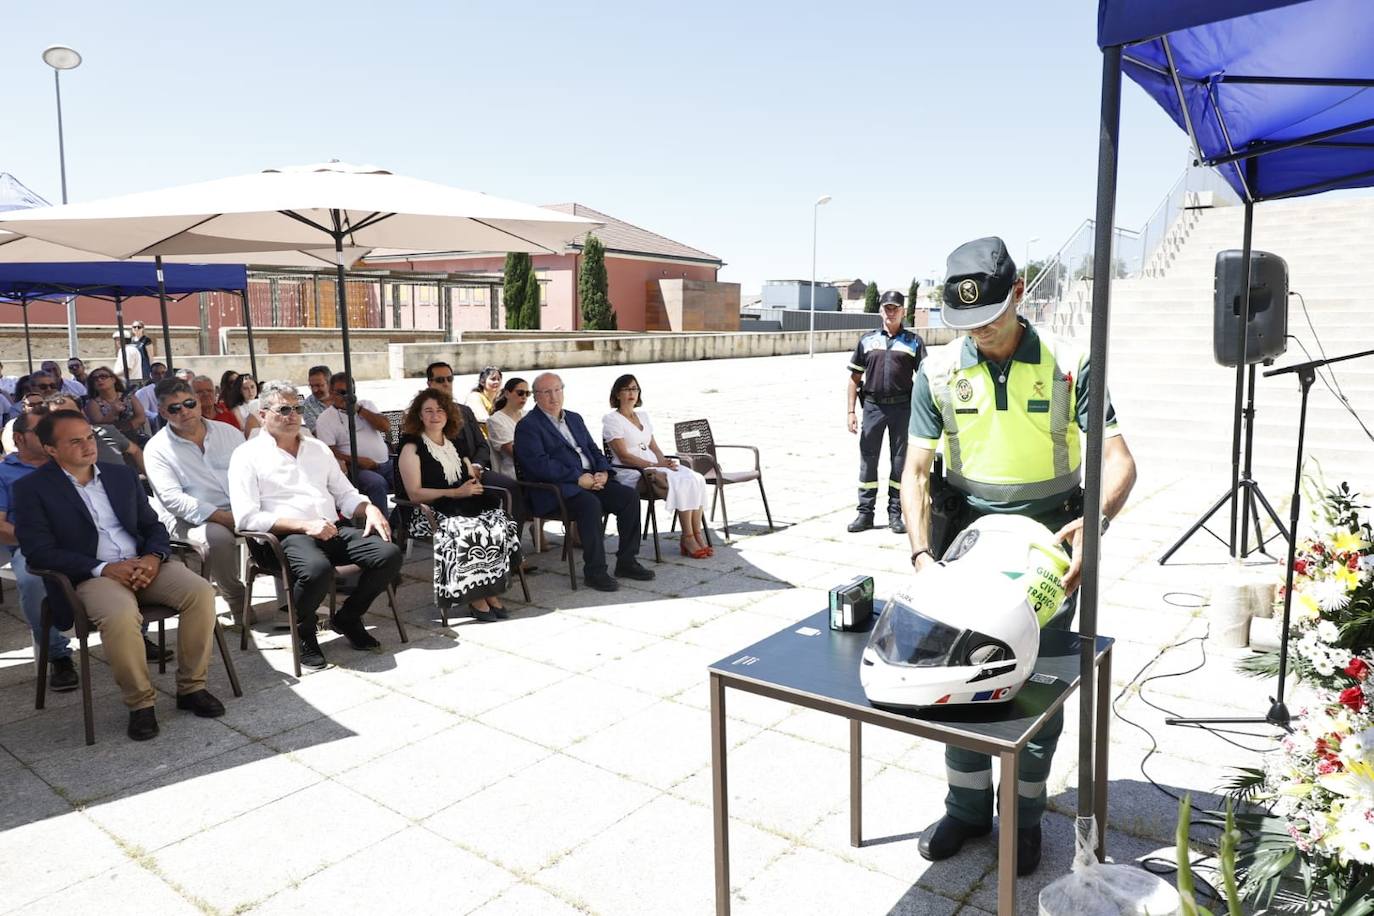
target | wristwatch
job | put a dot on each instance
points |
(161, 556)
(1106, 521)
(923, 550)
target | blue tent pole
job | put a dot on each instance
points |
(1109, 132)
(248, 326)
(162, 305)
(28, 341)
(119, 323)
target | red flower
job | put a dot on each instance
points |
(1353, 698)
(1318, 548)
(1327, 766)
(1300, 567)
(1357, 669)
(1353, 563)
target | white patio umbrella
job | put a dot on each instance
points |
(295, 209)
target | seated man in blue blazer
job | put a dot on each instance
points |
(552, 446)
(92, 521)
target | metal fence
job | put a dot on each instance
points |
(800, 319)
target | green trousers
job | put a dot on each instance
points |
(969, 774)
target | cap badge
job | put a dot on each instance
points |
(968, 292)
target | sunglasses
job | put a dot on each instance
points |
(287, 410)
(443, 379)
(178, 407)
(340, 392)
(50, 386)
(521, 392)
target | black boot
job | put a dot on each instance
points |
(1027, 850)
(946, 837)
(862, 522)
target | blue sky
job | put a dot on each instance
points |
(717, 124)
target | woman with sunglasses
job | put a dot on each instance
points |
(481, 399)
(441, 466)
(629, 435)
(108, 403)
(507, 410)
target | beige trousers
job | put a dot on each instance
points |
(114, 609)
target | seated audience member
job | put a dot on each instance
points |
(74, 388)
(374, 474)
(481, 400)
(7, 383)
(188, 468)
(290, 485)
(552, 445)
(148, 399)
(110, 443)
(319, 399)
(630, 435)
(207, 395)
(440, 465)
(76, 368)
(509, 408)
(93, 522)
(29, 455)
(110, 403)
(241, 398)
(223, 412)
(439, 376)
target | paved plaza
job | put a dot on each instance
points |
(558, 762)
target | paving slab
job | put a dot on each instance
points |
(27, 799)
(659, 746)
(362, 733)
(805, 880)
(128, 890)
(497, 679)
(527, 900)
(29, 869)
(567, 711)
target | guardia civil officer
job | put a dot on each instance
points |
(881, 373)
(1011, 404)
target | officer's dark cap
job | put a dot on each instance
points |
(980, 277)
(892, 297)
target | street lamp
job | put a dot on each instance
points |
(815, 219)
(61, 57)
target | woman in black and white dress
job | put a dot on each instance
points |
(476, 540)
(630, 436)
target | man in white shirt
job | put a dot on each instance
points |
(374, 471)
(69, 386)
(187, 464)
(147, 396)
(291, 485)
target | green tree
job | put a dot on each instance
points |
(871, 299)
(529, 316)
(912, 292)
(513, 282)
(597, 313)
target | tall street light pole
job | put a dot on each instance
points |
(61, 57)
(815, 219)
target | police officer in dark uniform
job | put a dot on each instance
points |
(881, 374)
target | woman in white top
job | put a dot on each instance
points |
(630, 436)
(507, 411)
(482, 398)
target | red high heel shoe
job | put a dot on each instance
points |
(700, 553)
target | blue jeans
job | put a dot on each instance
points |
(31, 595)
(375, 485)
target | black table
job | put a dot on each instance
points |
(822, 672)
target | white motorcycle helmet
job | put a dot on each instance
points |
(967, 629)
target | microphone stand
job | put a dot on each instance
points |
(1278, 711)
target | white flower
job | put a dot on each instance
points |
(1327, 631)
(1331, 595)
(1357, 746)
(1352, 838)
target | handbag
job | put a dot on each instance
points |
(655, 485)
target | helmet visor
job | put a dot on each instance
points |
(905, 636)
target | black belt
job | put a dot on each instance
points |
(897, 399)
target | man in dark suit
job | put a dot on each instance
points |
(552, 446)
(92, 521)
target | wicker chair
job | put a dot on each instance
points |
(697, 446)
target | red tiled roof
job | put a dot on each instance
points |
(618, 235)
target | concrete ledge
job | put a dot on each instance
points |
(367, 365)
(611, 348)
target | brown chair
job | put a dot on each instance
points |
(151, 613)
(697, 446)
(433, 521)
(646, 493)
(252, 568)
(569, 527)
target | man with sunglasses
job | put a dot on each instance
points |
(77, 370)
(374, 470)
(188, 467)
(439, 376)
(292, 486)
(72, 387)
(319, 399)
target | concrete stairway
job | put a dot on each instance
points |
(1175, 402)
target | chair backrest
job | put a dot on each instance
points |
(694, 436)
(393, 438)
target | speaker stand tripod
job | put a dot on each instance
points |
(1245, 489)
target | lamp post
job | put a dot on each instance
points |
(61, 57)
(815, 219)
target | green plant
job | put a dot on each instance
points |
(592, 295)
(514, 279)
(871, 299)
(529, 314)
(912, 292)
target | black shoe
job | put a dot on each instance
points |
(602, 582)
(862, 522)
(356, 634)
(152, 653)
(500, 613)
(202, 703)
(630, 569)
(484, 616)
(896, 525)
(142, 724)
(62, 675)
(947, 836)
(1027, 850)
(311, 656)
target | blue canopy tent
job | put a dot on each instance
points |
(1273, 93)
(120, 280)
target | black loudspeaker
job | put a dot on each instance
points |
(1267, 326)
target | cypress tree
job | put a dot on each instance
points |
(597, 314)
(530, 314)
(514, 279)
(911, 295)
(871, 299)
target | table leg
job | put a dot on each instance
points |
(719, 807)
(856, 783)
(1006, 834)
(1104, 719)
